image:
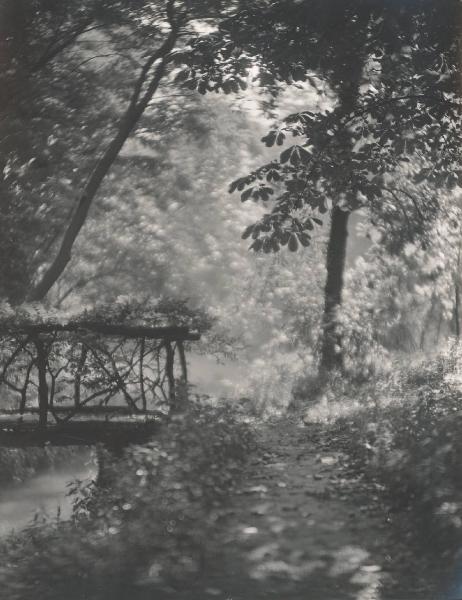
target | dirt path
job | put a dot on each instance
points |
(295, 529)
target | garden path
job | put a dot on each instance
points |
(300, 525)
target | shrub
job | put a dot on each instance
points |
(407, 437)
(143, 519)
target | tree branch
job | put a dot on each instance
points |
(54, 49)
(136, 108)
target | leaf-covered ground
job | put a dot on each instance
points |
(302, 524)
(213, 508)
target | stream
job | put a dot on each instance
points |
(44, 493)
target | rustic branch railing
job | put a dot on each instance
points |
(79, 368)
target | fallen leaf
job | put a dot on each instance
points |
(260, 509)
(329, 460)
(256, 489)
(250, 530)
(371, 568)
(213, 592)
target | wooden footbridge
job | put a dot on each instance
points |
(88, 381)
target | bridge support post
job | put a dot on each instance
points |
(183, 363)
(183, 390)
(41, 362)
(169, 370)
(78, 375)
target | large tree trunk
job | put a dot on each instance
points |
(457, 309)
(144, 89)
(346, 78)
(331, 346)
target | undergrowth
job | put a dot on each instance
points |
(404, 433)
(18, 464)
(142, 523)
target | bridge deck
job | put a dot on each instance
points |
(86, 431)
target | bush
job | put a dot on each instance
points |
(142, 521)
(408, 438)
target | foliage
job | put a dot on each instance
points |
(269, 385)
(84, 363)
(404, 300)
(125, 310)
(73, 57)
(185, 243)
(390, 63)
(51, 117)
(18, 464)
(177, 232)
(405, 435)
(142, 522)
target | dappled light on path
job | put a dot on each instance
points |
(291, 531)
(295, 536)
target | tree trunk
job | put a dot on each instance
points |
(144, 403)
(457, 296)
(457, 309)
(438, 329)
(427, 323)
(331, 354)
(346, 79)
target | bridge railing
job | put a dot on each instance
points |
(93, 368)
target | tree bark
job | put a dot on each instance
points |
(457, 295)
(346, 79)
(144, 403)
(457, 309)
(331, 353)
(427, 322)
(138, 104)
